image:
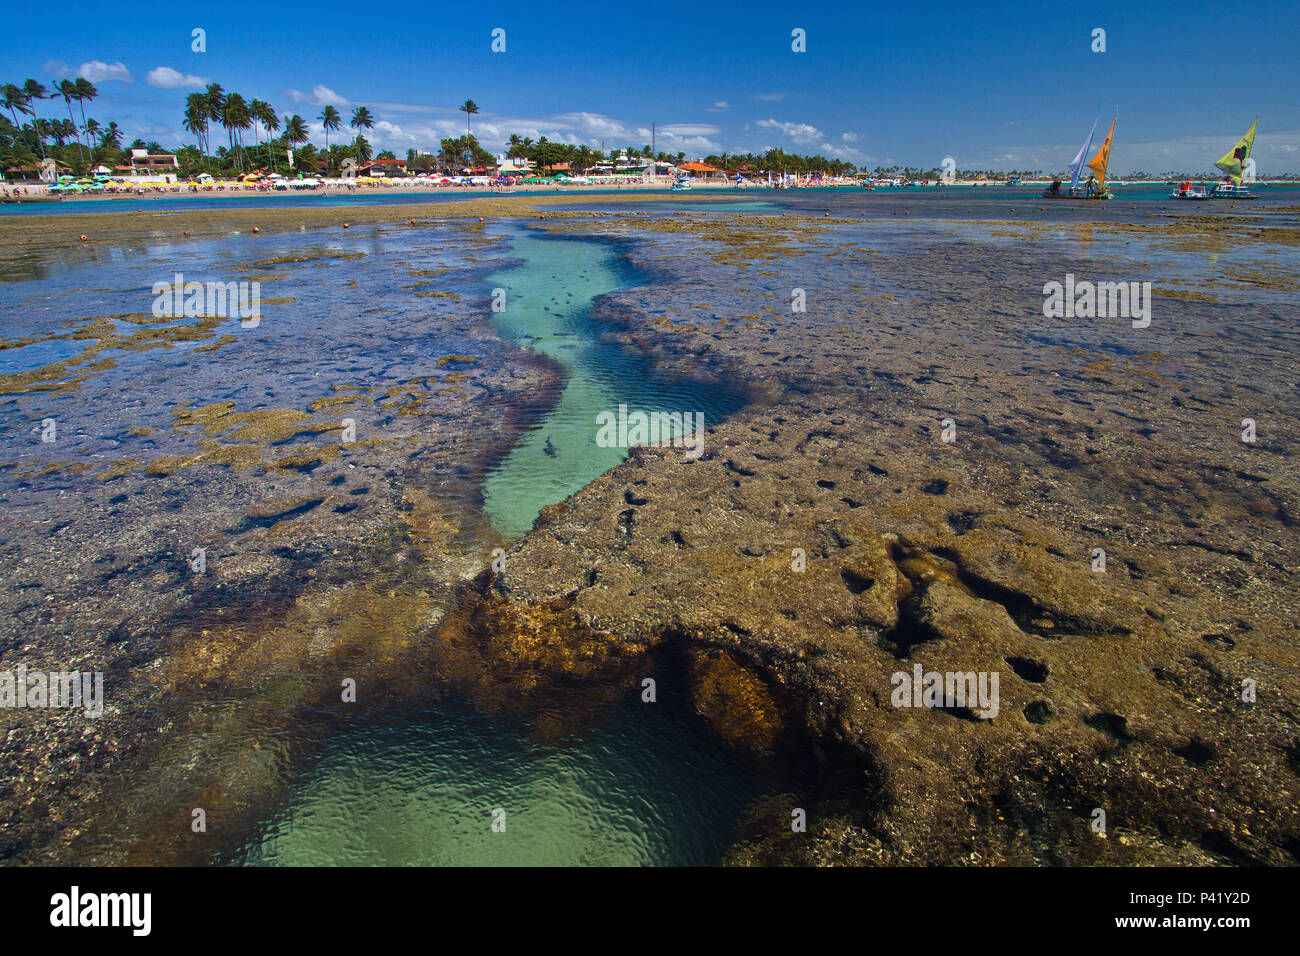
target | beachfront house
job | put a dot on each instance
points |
(383, 167)
(518, 166)
(152, 167)
(704, 171)
(46, 172)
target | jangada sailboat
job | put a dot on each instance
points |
(1095, 188)
(1234, 164)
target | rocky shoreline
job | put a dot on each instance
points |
(1121, 690)
(829, 538)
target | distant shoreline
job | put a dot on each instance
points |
(407, 189)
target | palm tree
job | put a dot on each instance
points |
(34, 91)
(255, 117)
(111, 137)
(214, 102)
(469, 108)
(361, 119)
(330, 118)
(14, 100)
(91, 129)
(265, 115)
(68, 90)
(196, 119)
(237, 119)
(85, 91)
(295, 131)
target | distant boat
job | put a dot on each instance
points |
(1101, 161)
(1187, 190)
(1230, 190)
(1234, 164)
(681, 183)
(1013, 180)
(1097, 164)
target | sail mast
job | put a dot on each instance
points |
(1102, 159)
(1076, 164)
(1234, 161)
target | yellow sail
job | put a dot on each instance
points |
(1102, 159)
(1234, 161)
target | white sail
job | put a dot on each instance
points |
(1076, 164)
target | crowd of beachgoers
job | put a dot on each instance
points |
(252, 185)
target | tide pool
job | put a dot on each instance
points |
(548, 298)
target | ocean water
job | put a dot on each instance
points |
(952, 200)
(645, 786)
(646, 783)
(415, 782)
(419, 782)
(548, 298)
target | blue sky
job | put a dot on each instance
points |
(1014, 85)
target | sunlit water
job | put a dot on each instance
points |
(648, 784)
(547, 302)
(646, 787)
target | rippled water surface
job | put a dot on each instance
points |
(399, 319)
(646, 786)
(547, 300)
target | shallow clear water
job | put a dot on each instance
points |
(25, 358)
(398, 315)
(647, 786)
(547, 308)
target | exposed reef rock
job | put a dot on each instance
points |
(830, 538)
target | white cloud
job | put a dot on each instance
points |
(847, 153)
(97, 71)
(849, 137)
(492, 131)
(688, 129)
(719, 106)
(409, 108)
(320, 95)
(165, 78)
(799, 132)
(771, 97)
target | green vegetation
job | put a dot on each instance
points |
(80, 143)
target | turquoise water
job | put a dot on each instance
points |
(645, 783)
(647, 787)
(548, 299)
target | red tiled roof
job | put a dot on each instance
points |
(699, 168)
